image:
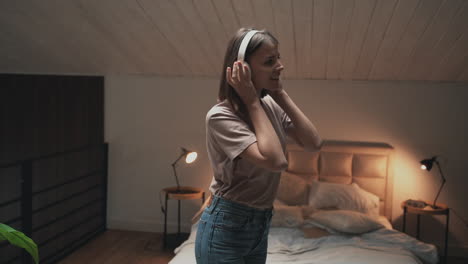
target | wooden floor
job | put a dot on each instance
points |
(132, 247)
(126, 247)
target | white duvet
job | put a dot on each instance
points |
(288, 245)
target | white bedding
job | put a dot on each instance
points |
(288, 245)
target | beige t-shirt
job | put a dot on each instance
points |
(227, 136)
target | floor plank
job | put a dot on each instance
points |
(118, 246)
(133, 247)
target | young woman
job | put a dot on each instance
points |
(246, 135)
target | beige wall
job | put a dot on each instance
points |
(149, 118)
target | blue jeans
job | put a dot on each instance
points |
(229, 232)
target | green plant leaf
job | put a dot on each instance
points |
(20, 240)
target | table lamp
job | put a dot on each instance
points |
(426, 164)
(190, 156)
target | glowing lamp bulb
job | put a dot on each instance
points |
(191, 157)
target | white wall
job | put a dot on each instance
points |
(149, 118)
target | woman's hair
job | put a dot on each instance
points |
(226, 91)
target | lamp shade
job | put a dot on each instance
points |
(191, 157)
(426, 164)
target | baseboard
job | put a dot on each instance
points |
(145, 225)
(158, 227)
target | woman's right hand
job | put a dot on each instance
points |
(239, 77)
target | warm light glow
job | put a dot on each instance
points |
(423, 167)
(191, 157)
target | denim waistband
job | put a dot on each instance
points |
(222, 203)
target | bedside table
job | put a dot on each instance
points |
(441, 209)
(179, 193)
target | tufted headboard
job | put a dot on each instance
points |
(365, 163)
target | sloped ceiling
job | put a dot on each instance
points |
(320, 39)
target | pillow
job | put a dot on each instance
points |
(384, 221)
(292, 189)
(372, 200)
(308, 210)
(344, 221)
(342, 196)
(286, 216)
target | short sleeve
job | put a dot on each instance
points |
(286, 122)
(229, 133)
(283, 118)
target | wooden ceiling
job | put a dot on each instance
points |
(319, 39)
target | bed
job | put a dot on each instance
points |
(335, 206)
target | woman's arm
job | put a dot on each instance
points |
(267, 151)
(303, 131)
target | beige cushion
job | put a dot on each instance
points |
(365, 165)
(303, 162)
(375, 186)
(292, 190)
(335, 167)
(337, 179)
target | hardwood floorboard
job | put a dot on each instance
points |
(119, 246)
(133, 247)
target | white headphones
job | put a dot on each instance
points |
(245, 43)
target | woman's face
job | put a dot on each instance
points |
(266, 67)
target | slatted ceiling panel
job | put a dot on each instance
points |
(16, 48)
(245, 13)
(103, 27)
(228, 18)
(71, 44)
(133, 48)
(419, 63)
(319, 39)
(158, 48)
(383, 62)
(173, 26)
(360, 21)
(457, 26)
(146, 38)
(213, 23)
(453, 65)
(23, 36)
(264, 14)
(94, 46)
(302, 10)
(382, 14)
(418, 24)
(202, 36)
(282, 13)
(322, 15)
(86, 43)
(341, 18)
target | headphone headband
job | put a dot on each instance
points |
(245, 43)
